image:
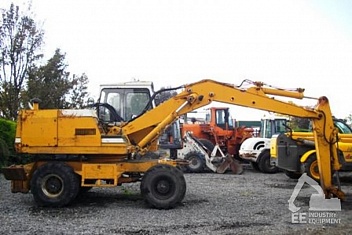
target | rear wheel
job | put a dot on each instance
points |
(196, 162)
(163, 186)
(264, 163)
(54, 184)
(311, 167)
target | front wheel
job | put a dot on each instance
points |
(54, 184)
(196, 162)
(163, 186)
(264, 163)
(311, 167)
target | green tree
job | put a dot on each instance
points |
(300, 124)
(7, 139)
(52, 84)
(20, 43)
(78, 93)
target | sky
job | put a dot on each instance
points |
(283, 43)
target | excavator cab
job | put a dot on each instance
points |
(129, 99)
(132, 99)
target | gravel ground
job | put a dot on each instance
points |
(250, 203)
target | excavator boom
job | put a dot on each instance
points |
(146, 128)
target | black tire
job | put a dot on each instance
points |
(54, 184)
(196, 162)
(163, 186)
(264, 163)
(207, 144)
(292, 175)
(255, 166)
(311, 167)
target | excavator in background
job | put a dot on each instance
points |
(78, 149)
(200, 158)
(257, 149)
(295, 152)
(217, 134)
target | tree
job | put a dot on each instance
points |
(78, 92)
(300, 124)
(7, 138)
(20, 42)
(51, 83)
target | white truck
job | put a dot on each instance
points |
(257, 149)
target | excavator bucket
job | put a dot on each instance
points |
(232, 164)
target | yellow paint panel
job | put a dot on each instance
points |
(39, 128)
(99, 171)
(71, 131)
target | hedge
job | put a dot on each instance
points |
(7, 139)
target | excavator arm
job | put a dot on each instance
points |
(145, 129)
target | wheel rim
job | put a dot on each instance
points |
(194, 162)
(314, 170)
(163, 188)
(52, 185)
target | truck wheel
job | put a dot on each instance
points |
(264, 163)
(163, 186)
(255, 166)
(292, 175)
(196, 162)
(54, 184)
(311, 167)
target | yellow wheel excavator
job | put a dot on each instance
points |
(79, 149)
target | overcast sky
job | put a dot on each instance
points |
(286, 44)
